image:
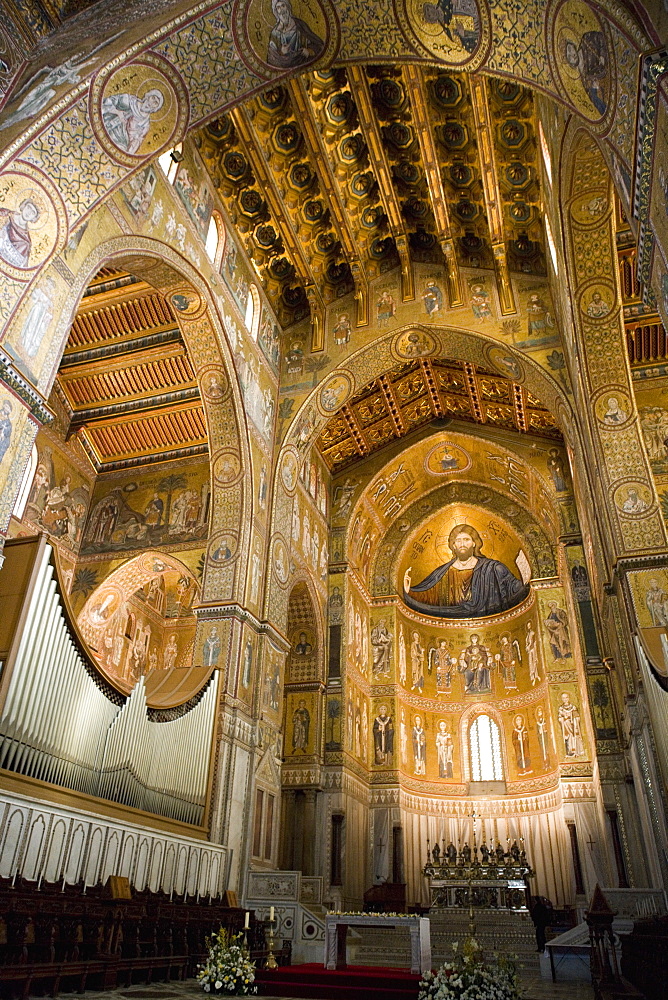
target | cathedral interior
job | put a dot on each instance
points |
(334, 462)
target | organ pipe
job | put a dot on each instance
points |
(59, 726)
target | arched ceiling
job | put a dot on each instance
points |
(126, 379)
(417, 392)
(337, 176)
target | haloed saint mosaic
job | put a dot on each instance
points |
(285, 34)
(460, 565)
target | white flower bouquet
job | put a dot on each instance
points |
(228, 969)
(468, 977)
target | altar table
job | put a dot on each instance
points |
(336, 928)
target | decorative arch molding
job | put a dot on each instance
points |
(359, 369)
(315, 620)
(616, 449)
(204, 334)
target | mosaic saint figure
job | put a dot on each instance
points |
(468, 586)
(555, 467)
(341, 330)
(558, 635)
(521, 744)
(38, 318)
(569, 720)
(417, 663)
(211, 648)
(507, 658)
(291, 42)
(480, 302)
(432, 298)
(459, 21)
(634, 503)
(615, 413)
(5, 427)
(127, 118)
(402, 657)
(441, 658)
(169, 653)
(15, 239)
(381, 642)
(303, 647)
(656, 600)
(444, 750)
(542, 731)
(475, 662)
(540, 319)
(301, 722)
(590, 59)
(383, 736)
(531, 646)
(419, 747)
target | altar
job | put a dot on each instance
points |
(478, 877)
(337, 924)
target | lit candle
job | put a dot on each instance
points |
(247, 920)
(271, 912)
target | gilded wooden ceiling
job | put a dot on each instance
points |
(338, 176)
(126, 377)
(417, 392)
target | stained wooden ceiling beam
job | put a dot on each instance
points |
(432, 389)
(474, 393)
(359, 87)
(291, 241)
(490, 183)
(394, 409)
(319, 157)
(355, 430)
(416, 89)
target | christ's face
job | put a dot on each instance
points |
(463, 545)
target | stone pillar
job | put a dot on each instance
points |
(309, 834)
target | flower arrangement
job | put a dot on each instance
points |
(228, 969)
(469, 977)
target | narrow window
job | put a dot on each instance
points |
(485, 745)
(26, 483)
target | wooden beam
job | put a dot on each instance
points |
(359, 87)
(415, 87)
(490, 184)
(319, 157)
(291, 241)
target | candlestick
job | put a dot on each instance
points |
(271, 912)
(247, 920)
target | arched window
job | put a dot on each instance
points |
(169, 161)
(212, 244)
(26, 483)
(551, 246)
(485, 748)
(252, 317)
(545, 149)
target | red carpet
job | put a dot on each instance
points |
(356, 981)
